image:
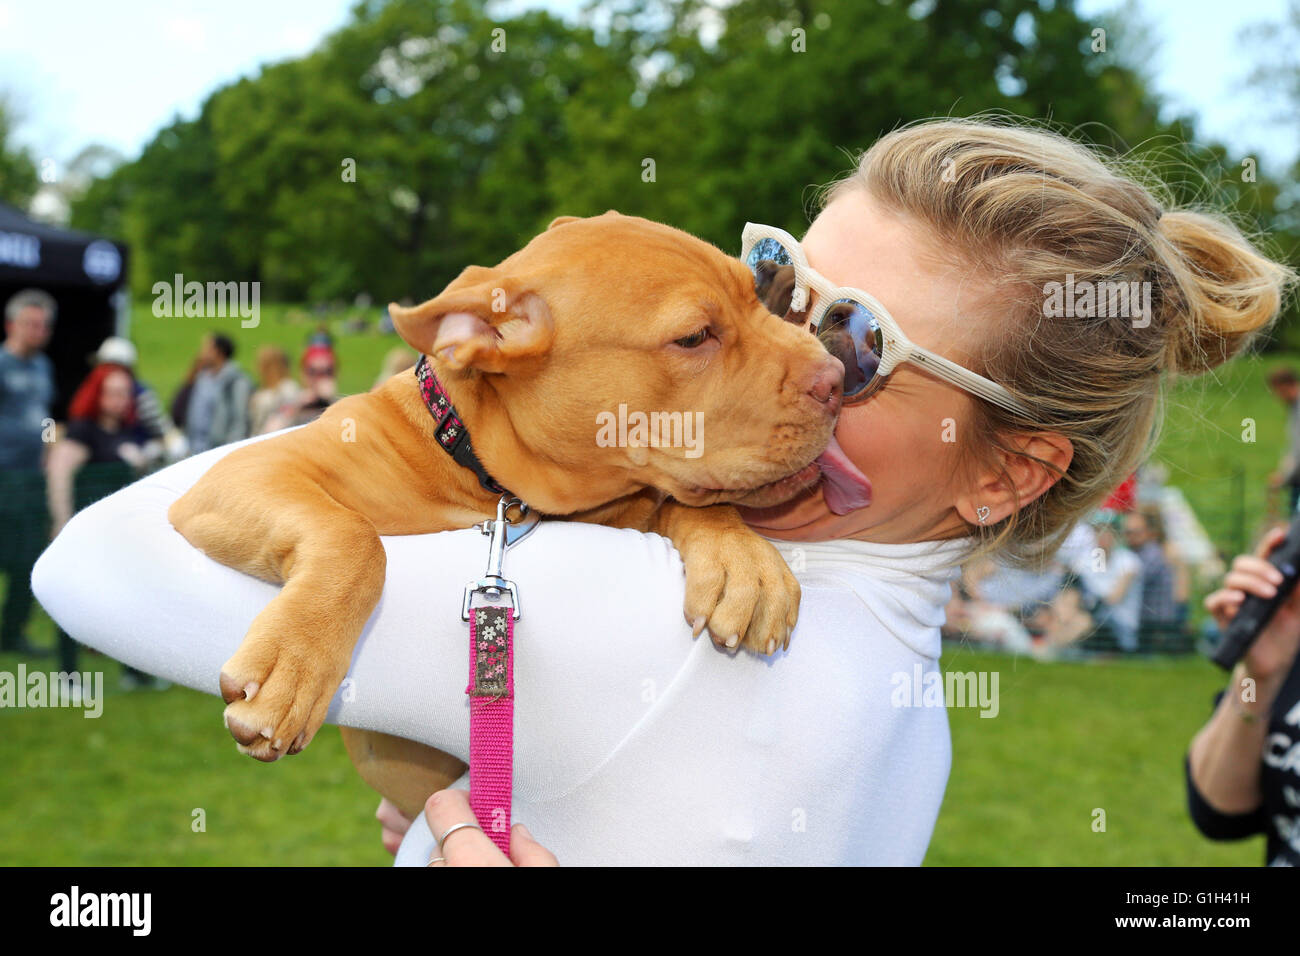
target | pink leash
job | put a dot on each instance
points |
(491, 687)
(492, 719)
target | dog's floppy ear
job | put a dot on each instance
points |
(562, 221)
(483, 320)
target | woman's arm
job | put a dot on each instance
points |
(1225, 755)
(1121, 587)
(634, 743)
(65, 460)
(123, 581)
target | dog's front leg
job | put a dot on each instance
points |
(285, 529)
(737, 584)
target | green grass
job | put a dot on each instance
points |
(1070, 737)
(122, 789)
(1206, 445)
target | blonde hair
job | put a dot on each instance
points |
(1027, 207)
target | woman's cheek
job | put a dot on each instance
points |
(870, 441)
(891, 449)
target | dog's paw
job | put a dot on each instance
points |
(741, 589)
(277, 693)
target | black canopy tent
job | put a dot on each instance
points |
(84, 273)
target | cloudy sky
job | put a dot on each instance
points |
(83, 71)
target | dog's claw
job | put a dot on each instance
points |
(242, 733)
(231, 691)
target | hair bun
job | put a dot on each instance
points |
(1217, 289)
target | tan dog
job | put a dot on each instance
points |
(591, 314)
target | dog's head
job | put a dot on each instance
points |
(628, 354)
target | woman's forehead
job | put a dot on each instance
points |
(856, 242)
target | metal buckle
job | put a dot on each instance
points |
(504, 534)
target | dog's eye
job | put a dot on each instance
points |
(694, 340)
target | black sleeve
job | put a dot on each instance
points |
(81, 430)
(1214, 824)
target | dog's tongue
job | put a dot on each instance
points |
(844, 487)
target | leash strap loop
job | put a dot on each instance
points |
(492, 720)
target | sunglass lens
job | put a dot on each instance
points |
(774, 280)
(851, 333)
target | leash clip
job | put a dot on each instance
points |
(504, 534)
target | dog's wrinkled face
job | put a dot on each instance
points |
(634, 355)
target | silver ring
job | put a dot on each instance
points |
(459, 826)
(437, 859)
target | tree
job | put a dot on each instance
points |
(18, 177)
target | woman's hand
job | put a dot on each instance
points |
(1272, 654)
(394, 824)
(470, 846)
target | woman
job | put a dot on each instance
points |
(1242, 775)
(634, 745)
(278, 389)
(101, 433)
(101, 419)
(318, 392)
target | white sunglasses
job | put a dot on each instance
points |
(851, 324)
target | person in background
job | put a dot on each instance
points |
(1158, 609)
(1285, 386)
(278, 389)
(1112, 586)
(180, 406)
(151, 420)
(1124, 498)
(1241, 772)
(397, 360)
(320, 387)
(102, 431)
(970, 615)
(26, 391)
(1104, 587)
(218, 405)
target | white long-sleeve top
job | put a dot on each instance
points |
(634, 742)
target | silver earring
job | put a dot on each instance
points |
(982, 512)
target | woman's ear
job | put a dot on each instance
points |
(1022, 473)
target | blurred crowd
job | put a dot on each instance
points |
(117, 428)
(1122, 581)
